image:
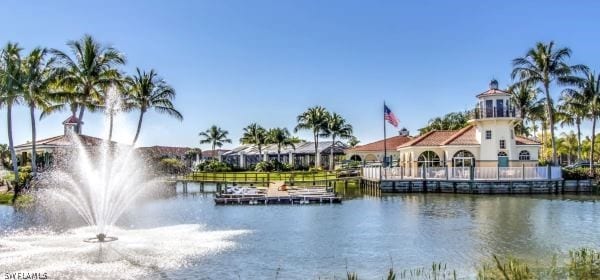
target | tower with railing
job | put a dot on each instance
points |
(494, 118)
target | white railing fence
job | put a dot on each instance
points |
(463, 173)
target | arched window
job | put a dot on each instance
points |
(502, 154)
(355, 158)
(463, 158)
(524, 155)
(428, 158)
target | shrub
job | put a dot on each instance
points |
(214, 166)
(171, 166)
(264, 166)
(579, 173)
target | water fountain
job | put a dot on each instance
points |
(101, 183)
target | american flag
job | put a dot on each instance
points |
(389, 116)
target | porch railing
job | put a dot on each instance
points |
(463, 173)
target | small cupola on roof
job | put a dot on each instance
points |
(494, 84)
(70, 125)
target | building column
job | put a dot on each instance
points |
(242, 160)
(291, 158)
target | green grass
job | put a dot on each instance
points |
(22, 200)
(581, 264)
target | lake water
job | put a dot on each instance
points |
(364, 233)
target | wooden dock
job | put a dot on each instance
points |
(278, 193)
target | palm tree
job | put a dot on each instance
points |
(254, 134)
(590, 95)
(282, 138)
(569, 145)
(353, 142)
(92, 68)
(214, 136)
(524, 97)
(336, 127)
(545, 65)
(313, 119)
(38, 75)
(10, 89)
(572, 110)
(149, 91)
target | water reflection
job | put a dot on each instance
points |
(364, 232)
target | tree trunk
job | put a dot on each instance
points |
(279, 153)
(213, 151)
(33, 137)
(80, 121)
(139, 127)
(317, 157)
(331, 161)
(550, 113)
(592, 170)
(578, 122)
(13, 155)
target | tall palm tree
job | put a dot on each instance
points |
(10, 90)
(214, 136)
(545, 65)
(313, 119)
(572, 110)
(336, 127)
(254, 134)
(149, 91)
(91, 68)
(524, 97)
(590, 94)
(39, 74)
(282, 138)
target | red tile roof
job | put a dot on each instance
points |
(493, 92)
(391, 143)
(431, 138)
(521, 140)
(63, 140)
(465, 136)
(209, 153)
(71, 119)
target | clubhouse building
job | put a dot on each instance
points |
(488, 141)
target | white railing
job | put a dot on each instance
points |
(463, 173)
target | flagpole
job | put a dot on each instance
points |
(384, 139)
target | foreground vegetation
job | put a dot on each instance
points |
(6, 198)
(581, 264)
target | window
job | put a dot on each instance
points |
(488, 134)
(463, 158)
(524, 155)
(428, 158)
(502, 144)
(502, 154)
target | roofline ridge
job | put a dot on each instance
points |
(459, 133)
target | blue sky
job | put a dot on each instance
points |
(236, 62)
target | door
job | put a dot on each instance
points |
(502, 161)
